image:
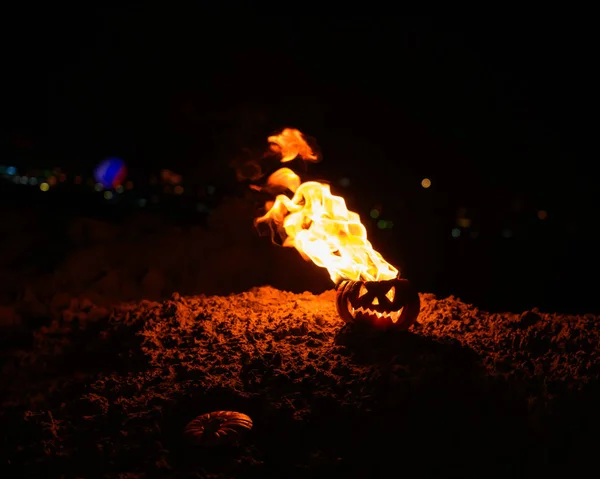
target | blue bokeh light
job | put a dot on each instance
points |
(111, 172)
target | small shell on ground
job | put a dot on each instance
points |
(218, 427)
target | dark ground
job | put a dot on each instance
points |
(107, 393)
(98, 383)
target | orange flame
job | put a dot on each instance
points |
(291, 144)
(317, 223)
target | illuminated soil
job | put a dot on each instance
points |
(108, 393)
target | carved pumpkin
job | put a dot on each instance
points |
(384, 304)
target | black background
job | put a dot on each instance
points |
(498, 112)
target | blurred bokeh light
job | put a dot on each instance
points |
(111, 172)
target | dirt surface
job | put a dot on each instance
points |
(45, 262)
(107, 392)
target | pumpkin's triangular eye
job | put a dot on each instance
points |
(375, 301)
(391, 294)
(362, 291)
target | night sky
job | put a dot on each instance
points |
(495, 111)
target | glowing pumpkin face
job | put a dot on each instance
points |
(385, 304)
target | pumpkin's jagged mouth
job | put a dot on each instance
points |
(373, 314)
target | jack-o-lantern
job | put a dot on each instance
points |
(386, 304)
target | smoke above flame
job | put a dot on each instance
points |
(316, 222)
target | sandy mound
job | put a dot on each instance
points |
(104, 393)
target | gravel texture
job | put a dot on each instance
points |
(107, 391)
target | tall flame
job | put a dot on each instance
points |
(317, 222)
